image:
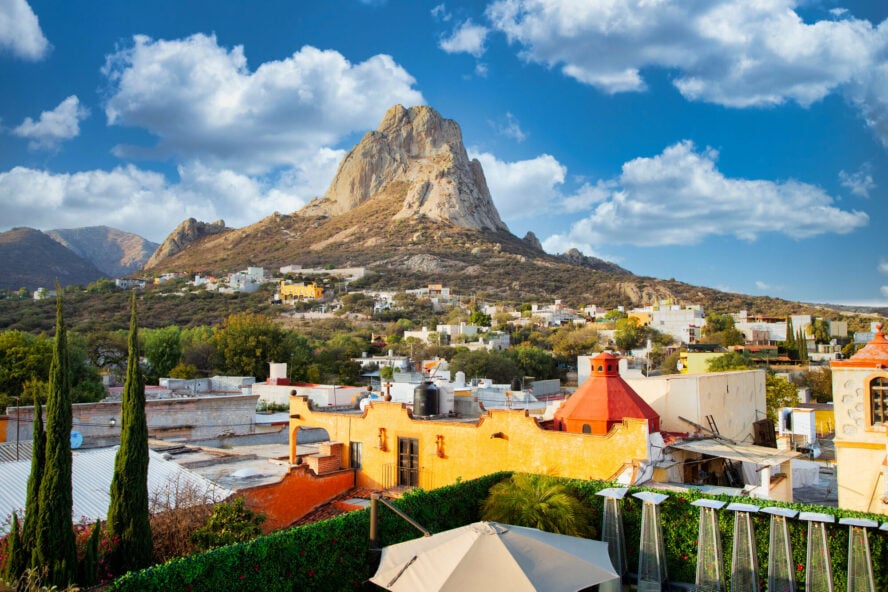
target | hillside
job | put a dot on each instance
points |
(31, 259)
(114, 252)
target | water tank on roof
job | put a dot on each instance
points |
(516, 384)
(425, 399)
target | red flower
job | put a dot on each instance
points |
(242, 576)
(311, 572)
(685, 557)
(800, 567)
(256, 567)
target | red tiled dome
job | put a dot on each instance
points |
(873, 355)
(603, 400)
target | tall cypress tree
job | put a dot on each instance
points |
(128, 512)
(790, 335)
(55, 550)
(15, 554)
(32, 505)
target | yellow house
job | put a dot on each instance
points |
(696, 362)
(290, 292)
(860, 398)
(389, 447)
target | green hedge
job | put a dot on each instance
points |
(325, 556)
(332, 555)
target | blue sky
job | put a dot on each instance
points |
(727, 143)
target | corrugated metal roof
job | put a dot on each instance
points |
(9, 452)
(92, 471)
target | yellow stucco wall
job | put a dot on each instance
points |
(860, 447)
(290, 291)
(471, 449)
(695, 362)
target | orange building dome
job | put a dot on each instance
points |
(873, 355)
(603, 400)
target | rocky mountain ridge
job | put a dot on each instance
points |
(31, 259)
(114, 252)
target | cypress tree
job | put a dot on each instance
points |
(128, 511)
(32, 505)
(55, 550)
(790, 335)
(803, 346)
(15, 556)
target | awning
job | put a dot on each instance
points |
(759, 455)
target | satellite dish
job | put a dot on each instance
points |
(76, 440)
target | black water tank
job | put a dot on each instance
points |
(425, 399)
(516, 384)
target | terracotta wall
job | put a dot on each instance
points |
(296, 495)
(502, 440)
(3, 422)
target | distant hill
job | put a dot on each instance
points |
(114, 252)
(31, 259)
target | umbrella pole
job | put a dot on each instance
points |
(374, 519)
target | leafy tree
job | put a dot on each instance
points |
(22, 357)
(184, 371)
(386, 373)
(627, 334)
(300, 355)
(779, 393)
(502, 318)
(569, 341)
(538, 501)
(485, 364)
(163, 349)
(107, 350)
(128, 510)
(533, 361)
(479, 318)
(230, 522)
(819, 330)
(720, 329)
(615, 315)
(247, 342)
(818, 381)
(54, 548)
(717, 323)
(669, 365)
(730, 361)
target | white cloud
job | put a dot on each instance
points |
(760, 285)
(860, 183)
(679, 197)
(466, 38)
(20, 32)
(440, 12)
(884, 291)
(203, 103)
(523, 188)
(730, 52)
(146, 203)
(53, 127)
(510, 128)
(883, 267)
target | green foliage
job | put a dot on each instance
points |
(88, 569)
(386, 372)
(128, 518)
(615, 315)
(538, 501)
(479, 318)
(246, 343)
(570, 341)
(669, 365)
(16, 562)
(32, 497)
(818, 381)
(533, 361)
(320, 557)
(627, 334)
(55, 538)
(819, 330)
(163, 349)
(184, 371)
(779, 392)
(485, 364)
(729, 361)
(803, 346)
(22, 357)
(332, 555)
(230, 522)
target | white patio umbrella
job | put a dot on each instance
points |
(489, 556)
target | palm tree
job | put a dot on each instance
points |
(538, 501)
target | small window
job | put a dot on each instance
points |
(878, 389)
(356, 455)
(609, 367)
(587, 429)
(600, 368)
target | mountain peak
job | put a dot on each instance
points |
(424, 152)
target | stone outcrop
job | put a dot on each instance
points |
(531, 239)
(422, 150)
(187, 232)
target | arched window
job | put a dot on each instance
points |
(600, 368)
(878, 395)
(587, 429)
